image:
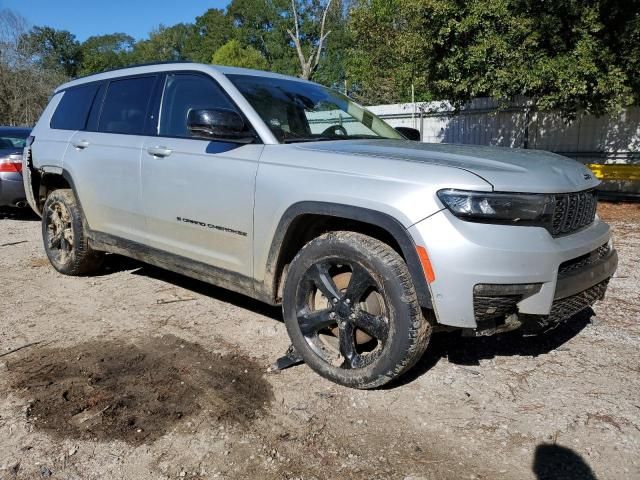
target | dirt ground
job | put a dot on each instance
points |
(137, 373)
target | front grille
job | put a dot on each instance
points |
(584, 260)
(569, 306)
(573, 211)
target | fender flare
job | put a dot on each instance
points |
(63, 173)
(32, 178)
(359, 214)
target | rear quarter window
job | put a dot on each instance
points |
(73, 109)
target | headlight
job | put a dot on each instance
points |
(505, 208)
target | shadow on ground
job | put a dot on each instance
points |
(555, 462)
(452, 345)
(117, 263)
(470, 350)
(9, 213)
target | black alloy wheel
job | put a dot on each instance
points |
(351, 310)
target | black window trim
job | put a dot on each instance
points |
(98, 102)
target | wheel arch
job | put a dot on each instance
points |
(306, 220)
(46, 179)
(43, 180)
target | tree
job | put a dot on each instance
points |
(234, 54)
(53, 49)
(309, 61)
(561, 54)
(25, 86)
(331, 70)
(165, 44)
(212, 30)
(262, 24)
(387, 53)
(104, 52)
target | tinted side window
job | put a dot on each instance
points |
(72, 111)
(185, 92)
(125, 105)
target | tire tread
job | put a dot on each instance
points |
(420, 326)
(84, 259)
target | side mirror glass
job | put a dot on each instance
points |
(218, 124)
(409, 133)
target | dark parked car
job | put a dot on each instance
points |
(12, 142)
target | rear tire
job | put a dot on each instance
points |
(65, 240)
(351, 310)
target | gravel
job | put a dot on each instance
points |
(564, 405)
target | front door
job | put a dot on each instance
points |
(197, 194)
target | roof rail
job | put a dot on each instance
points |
(148, 64)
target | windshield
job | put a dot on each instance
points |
(13, 139)
(302, 112)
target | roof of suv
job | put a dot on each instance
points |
(172, 66)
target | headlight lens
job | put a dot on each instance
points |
(507, 208)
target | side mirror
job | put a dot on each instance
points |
(218, 124)
(409, 133)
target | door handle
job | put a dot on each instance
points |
(80, 144)
(159, 151)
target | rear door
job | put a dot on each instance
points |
(104, 158)
(66, 113)
(198, 194)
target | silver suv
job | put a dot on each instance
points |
(291, 193)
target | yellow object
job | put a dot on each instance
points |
(615, 172)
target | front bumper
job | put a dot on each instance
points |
(11, 189)
(465, 255)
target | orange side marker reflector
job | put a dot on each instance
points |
(426, 264)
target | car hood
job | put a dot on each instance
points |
(506, 169)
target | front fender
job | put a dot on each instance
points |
(375, 218)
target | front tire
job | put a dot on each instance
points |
(351, 310)
(65, 240)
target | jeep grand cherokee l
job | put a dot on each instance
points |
(293, 194)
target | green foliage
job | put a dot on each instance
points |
(165, 44)
(262, 24)
(234, 54)
(212, 30)
(320, 39)
(53, 49)
(561, 54)
(104, 52)
(332, 68)
(388, 52)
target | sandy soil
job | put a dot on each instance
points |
(137, 373)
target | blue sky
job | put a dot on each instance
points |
(84, 18)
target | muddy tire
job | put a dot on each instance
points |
(351, 310)
(65, 240)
